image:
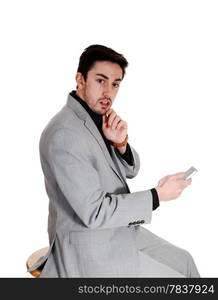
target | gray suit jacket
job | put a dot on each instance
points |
(93, 218)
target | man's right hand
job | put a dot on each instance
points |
(169, 187)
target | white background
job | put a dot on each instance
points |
(168, 97)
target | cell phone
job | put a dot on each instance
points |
(189, 173)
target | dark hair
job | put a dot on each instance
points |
(95, 53)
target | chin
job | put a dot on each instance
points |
(99, 112)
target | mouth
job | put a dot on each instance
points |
(104, 103)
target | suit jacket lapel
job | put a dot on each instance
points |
(90, 125)
(96, 134)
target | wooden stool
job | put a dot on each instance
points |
(33, 259)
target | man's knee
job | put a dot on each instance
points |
(192, 270)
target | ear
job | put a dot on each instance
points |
(80, 80)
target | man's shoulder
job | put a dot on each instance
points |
(65, 118)
(63, 123)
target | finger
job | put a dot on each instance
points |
(178, 176)
(104, 121)
(108, 113)
(121, 124)
(185, 183)
(115, 122)
(111, 117)
(189, 181)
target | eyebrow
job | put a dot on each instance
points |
(105, 77)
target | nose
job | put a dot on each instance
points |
(107, 91)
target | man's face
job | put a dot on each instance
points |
(101, 85)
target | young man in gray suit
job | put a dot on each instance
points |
(94, 220)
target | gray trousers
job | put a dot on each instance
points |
(160, 258)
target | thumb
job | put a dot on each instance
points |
(178, 175)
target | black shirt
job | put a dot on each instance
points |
(127, 156)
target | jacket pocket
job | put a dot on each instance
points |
(100, 236)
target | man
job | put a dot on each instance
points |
(94, 221)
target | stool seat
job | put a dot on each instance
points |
(33, 258)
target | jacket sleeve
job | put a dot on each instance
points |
(131, 170)
(79, 181)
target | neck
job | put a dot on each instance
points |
(79, 93)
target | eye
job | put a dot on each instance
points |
(100, 81)
(116, 85)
